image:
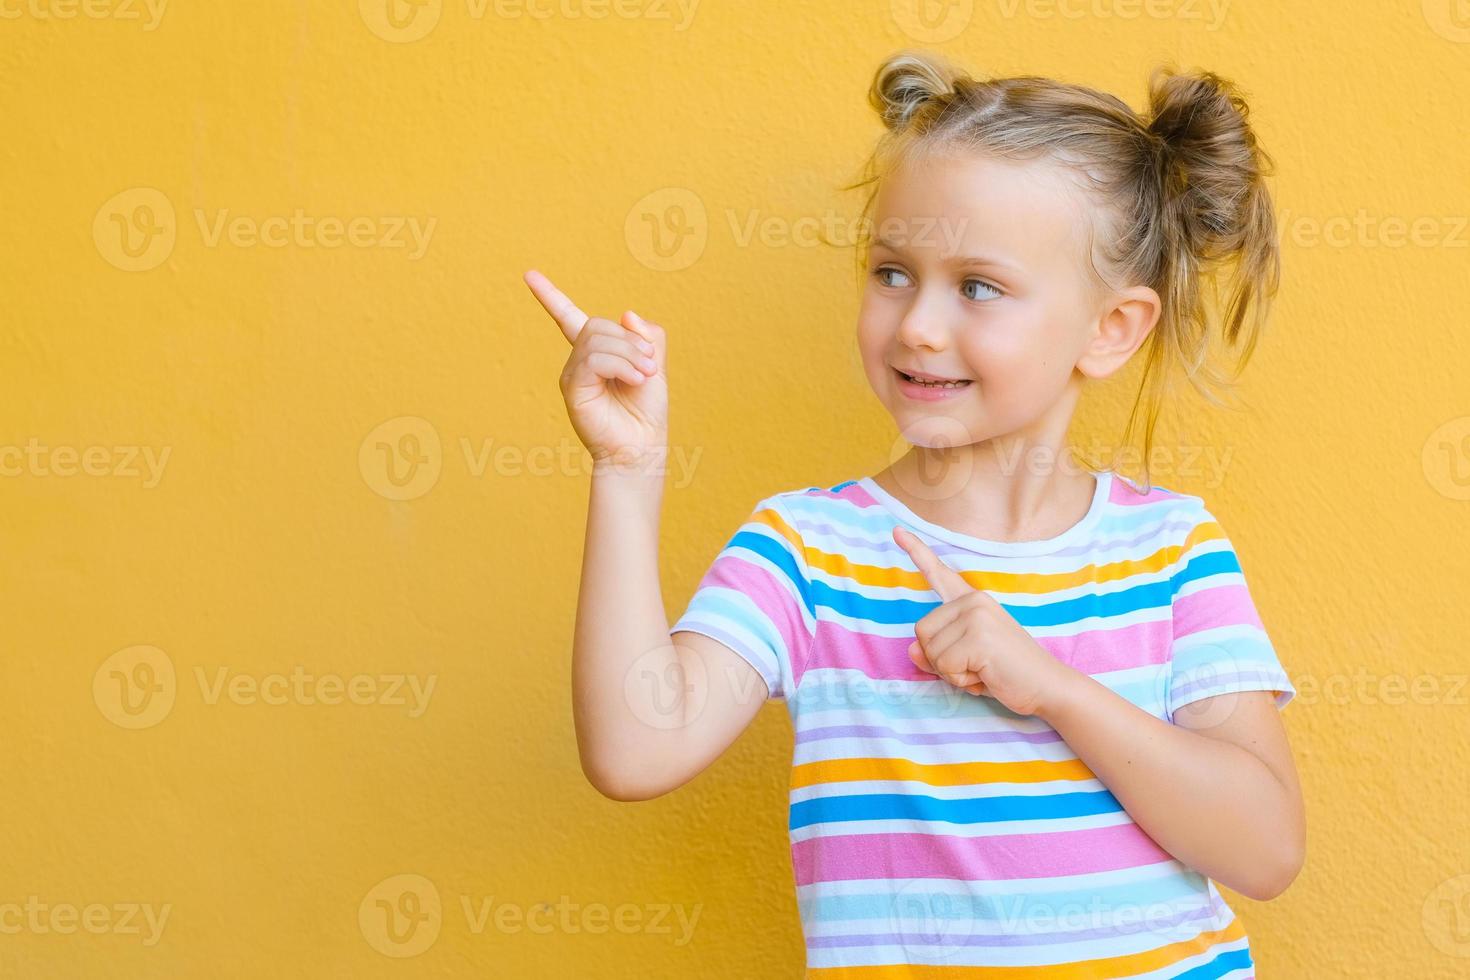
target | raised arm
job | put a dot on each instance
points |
(651, 711)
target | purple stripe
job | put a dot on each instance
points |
(1225, 680)
(936, 738)
(1104, 545)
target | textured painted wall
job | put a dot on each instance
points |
(291, 513)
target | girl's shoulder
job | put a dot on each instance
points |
(1180, 524)
(1131, 501)
(816, 497)
(833, 512)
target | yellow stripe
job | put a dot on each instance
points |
(771, 517)
(1113, 966)
(946, 774)
(1034, 583)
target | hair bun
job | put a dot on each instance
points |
(1212, 166)
(908, 81)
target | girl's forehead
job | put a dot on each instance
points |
(1030, 208)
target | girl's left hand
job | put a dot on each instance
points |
(973, 643)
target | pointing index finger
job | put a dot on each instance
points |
(943, 579)
(562, 310)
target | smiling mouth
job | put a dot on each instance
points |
(933, 381)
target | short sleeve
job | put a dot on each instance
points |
(1220, 645)
(755, 598)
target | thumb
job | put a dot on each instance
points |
(942, 579)
(652, 333)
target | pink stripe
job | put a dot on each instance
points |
(1125, 492)
(856, 495)
(879, 657)
(1122, 648)
(1224, 605)
(861, 857)
(732, 571)
(1092, 652)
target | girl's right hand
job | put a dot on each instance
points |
(614, 381)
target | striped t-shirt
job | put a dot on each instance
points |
(935, 833)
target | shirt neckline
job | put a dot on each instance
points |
(985, 546)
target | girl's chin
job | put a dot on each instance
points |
(932, 430)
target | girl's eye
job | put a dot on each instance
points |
(885, 270)
(987, 290)
(992, 291)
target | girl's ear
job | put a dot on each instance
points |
(1128, 316)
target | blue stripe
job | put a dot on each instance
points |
(774, 552)
(897, 806)
(1233, 959)
(1203, 566)
(1150, 595)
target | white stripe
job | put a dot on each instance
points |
(955, 753)
(968, 791)
(998, 828)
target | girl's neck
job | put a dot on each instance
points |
(1004, 490)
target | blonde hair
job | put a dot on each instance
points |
(1182, 193)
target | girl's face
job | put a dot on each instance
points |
(978, 272)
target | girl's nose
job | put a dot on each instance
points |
(923, 326)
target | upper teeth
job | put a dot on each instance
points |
(936, 384)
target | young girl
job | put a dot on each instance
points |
(1035, 710)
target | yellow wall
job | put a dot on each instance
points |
(270, 537)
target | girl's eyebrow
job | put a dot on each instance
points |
(893, 246)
